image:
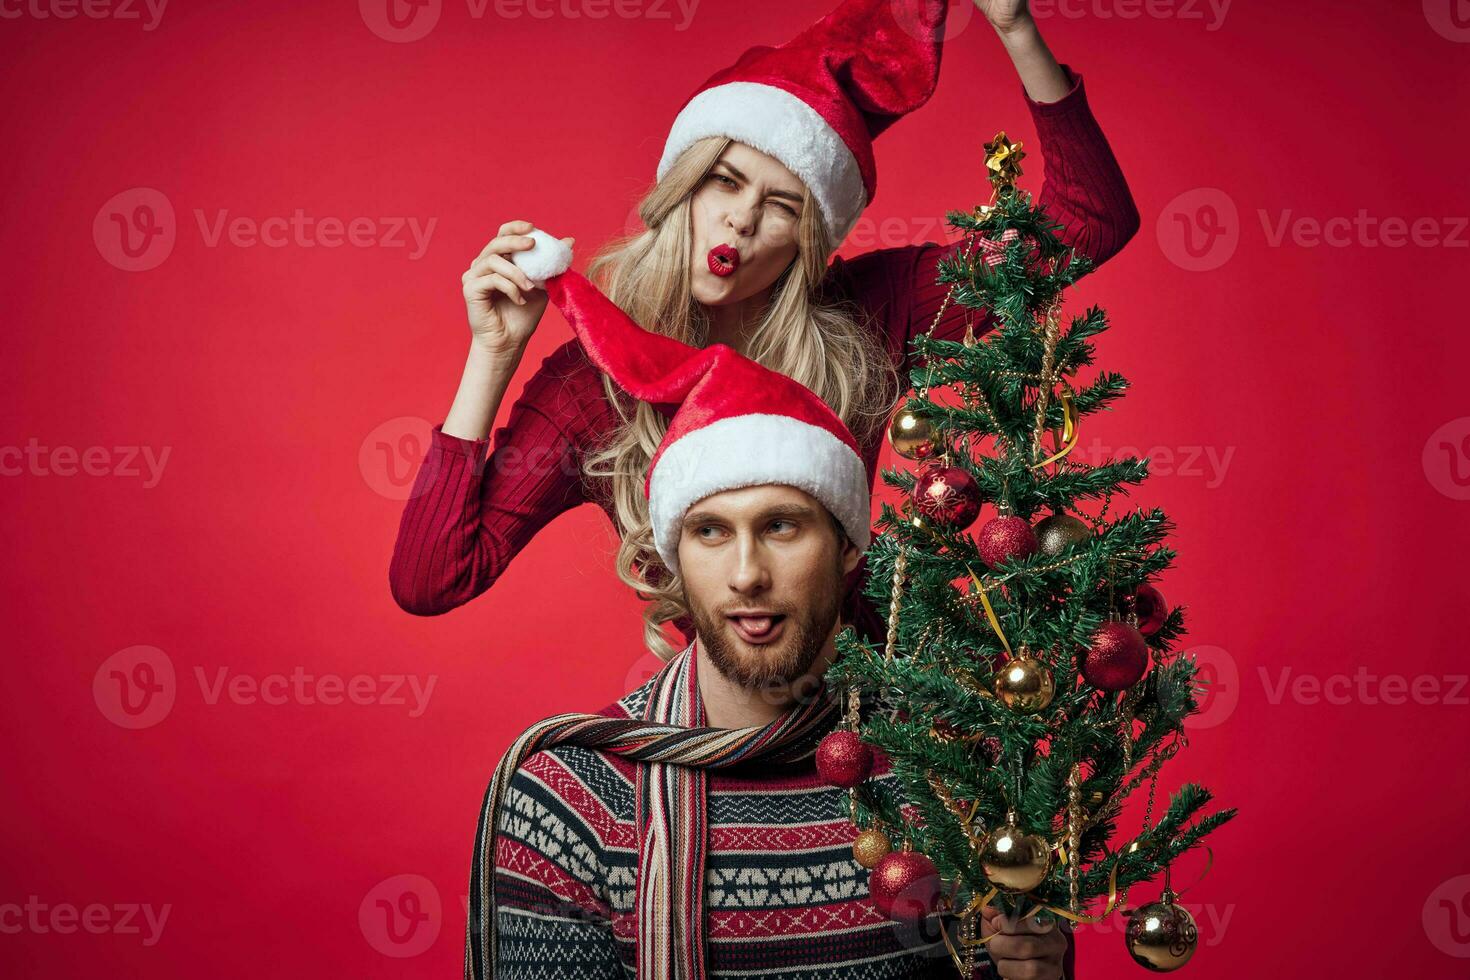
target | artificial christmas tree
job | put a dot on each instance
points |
(1029, 683)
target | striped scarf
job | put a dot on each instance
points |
(677, 748)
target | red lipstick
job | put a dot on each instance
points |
(723, 260)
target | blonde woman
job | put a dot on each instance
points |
(766, 168)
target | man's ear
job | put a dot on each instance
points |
(851, 555)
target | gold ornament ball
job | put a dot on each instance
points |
(870, 847)
(1015, 861)
(911, 436)
(1162, 936)
(1024, 684)
(1057, 533)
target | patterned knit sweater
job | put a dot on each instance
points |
(783, 893)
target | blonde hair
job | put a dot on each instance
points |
(820, 344)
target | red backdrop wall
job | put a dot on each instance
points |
(207, 441)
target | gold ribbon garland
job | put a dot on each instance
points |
(1069, 427)
(990, 611)
(1209, 862)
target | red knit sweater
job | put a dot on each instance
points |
(467, 516)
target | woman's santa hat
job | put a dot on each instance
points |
(817, 102)
(732, 422)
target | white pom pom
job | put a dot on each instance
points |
(548, 257)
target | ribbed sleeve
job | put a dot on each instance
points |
(1082, 188)
(469, 515)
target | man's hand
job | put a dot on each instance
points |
(1025, 950)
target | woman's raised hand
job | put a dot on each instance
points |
(502, 303)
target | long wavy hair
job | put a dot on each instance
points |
(801, 334)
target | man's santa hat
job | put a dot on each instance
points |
(817, 102)
(732, 422)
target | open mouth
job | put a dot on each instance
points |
(723, 260)
(758, 630)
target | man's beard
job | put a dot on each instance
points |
(772, 665)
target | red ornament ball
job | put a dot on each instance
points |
(1006, 538)
(905, 886)
(1117, 658)
(947, 495)
(1149, 606)
(843, 759)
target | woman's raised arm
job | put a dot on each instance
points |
(1082, 188)
(466, 516)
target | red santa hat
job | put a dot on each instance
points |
(817, 102)
(732, 422)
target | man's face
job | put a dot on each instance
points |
(763, 572)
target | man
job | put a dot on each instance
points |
(682, 831)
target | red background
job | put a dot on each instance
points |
(1332, 541)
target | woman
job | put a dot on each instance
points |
(736, 251)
